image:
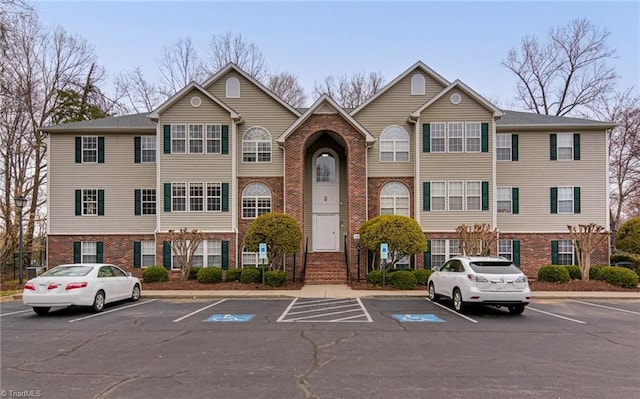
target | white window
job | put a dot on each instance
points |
(456, 133)
(178, 139)
(326, 168)
(196, 136)
(456, 195)
(394, 199)
(214, 197)
(256, 145)
(474, 195)
(233, 88)
(565, 199)
(89, 252)
(438, 195)
(214, 139)
(503, 147)
(89, 149)
(89, 202)
(504, 200)
(565, 252)
(256, 200)
(505, 249)
(565, 146)
(148, 197)
(148, 253)
(196, 197)
(179, 197)
(198, 255)
(442, 250)
(148, 148)
(417, 85)
(474, 135)
(394, 144)
(214, 253)
(438, 137)
(250, 259)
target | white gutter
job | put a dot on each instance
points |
(494, 189)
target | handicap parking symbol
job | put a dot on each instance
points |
(417, 318)
(229, 318)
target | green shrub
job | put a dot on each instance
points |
(403, 280)
(554, 274)
(155, 273)
(595, 272)
(250, 275)
(422, 276)
(628, 236)
(209, 275)
(375, 277)
(233, 275)
(193, 273)
(574, 272)
(274, 278)
(634, 260)
(619, 276)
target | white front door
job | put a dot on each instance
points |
(326, 202)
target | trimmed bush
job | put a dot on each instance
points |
(554, 274)
(375, 277)
(422, 276)
(250, 275)
(628, 236)
(193, 273)
(233, 275)
(155, 273)
(634, 260)
(574, 272)
(403, 280)
(209, 275)
(274, 278)
(619, 276)
(595, 272)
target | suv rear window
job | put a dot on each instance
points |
(494, 267)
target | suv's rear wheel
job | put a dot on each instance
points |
(432, 293)
(458, 305)
(516, 309)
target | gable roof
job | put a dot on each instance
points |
(530, 120)
(133, 122)
(191, 86)
(231, 66)
(322, 101)
(497, 112)
(418, 65)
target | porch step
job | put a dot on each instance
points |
(325, 268)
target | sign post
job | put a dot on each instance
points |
(262, 252)
(384, 254)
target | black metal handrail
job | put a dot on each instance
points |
(346, 259)
(304, 260)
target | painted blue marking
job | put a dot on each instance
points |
(419, 318)
(229, 318)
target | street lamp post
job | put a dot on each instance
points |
(20, 203)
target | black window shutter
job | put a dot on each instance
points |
(426, 196)
(427, 256)
(555, 248)
(514, 147)
(137, 144)
(137, 254)
(485, 195)
(225, 139)
(78, 202)
(554, 200)
(553, 144)
(100, 202)
(515, 200)
(100, 149)
(485, 137)
(167, 139)
(78, 149)
(225, 197)
(426, 137)
(138, 202)
(99, 252)
(576, 200)
(167, 197)
(225, 255)
(77, 252)
(576, 146)
(166, 255)
(516, 252)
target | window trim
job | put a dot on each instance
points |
(395, 142)
(149, 192)
(256, 198)
(418, 85)
(395, 197)
(232, 88)
(257, 151)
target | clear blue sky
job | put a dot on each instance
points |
(459, 40)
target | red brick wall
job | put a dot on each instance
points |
(375, 186)
(275, 184)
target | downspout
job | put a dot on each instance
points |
(607, 139)
(415, 121)
(494, 177)
(159, 212)
(234, 185)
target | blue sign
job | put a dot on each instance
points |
(262, 250)
(229, 318)
(384, 250)
(417, 318)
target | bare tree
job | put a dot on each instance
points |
(179, 65)
(350, 91)
(136, 93)
(476, 240)
(586, 238)
(286, 86)
(235, 48)
(565, 73)
(185, 244)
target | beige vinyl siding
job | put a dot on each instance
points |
(257, 109)
(534, 174)
(119, 177)
(393, 108)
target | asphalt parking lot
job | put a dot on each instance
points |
(322, 348)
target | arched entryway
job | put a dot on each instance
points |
(325, 200)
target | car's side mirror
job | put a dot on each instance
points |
(129, 274)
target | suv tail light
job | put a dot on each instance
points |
(30, 286)
(71, 286)
(477, 278)
(521, 279)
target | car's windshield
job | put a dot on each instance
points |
(68, 271)
(494, 267)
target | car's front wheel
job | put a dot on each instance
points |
(432, 293)
(135, 294)
(516, 309)
(98, 302)
(458, 304)
(41, 311)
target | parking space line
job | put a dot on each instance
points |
(286, 311)
(325, 302)
(199, 310)
(324, 314)
(452, 311)
(606, 307)
(19, 311)
(322, 309)
(556, 315)
(366, 312)
(112, 310)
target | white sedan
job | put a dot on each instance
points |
(81, 284)
(480, 280)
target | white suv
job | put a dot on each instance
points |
(484, 280)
